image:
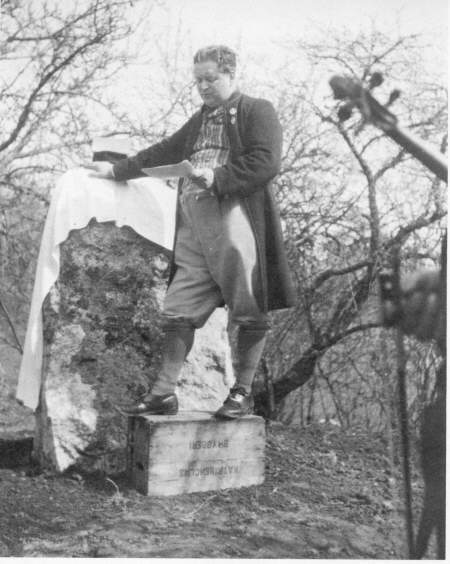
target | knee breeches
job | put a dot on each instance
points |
(216, 261)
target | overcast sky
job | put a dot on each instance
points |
(254, 27)
(258, 21)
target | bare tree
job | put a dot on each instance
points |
(348, 195)
(56, 61)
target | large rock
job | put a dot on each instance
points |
(102, 341)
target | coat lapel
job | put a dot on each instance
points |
(232, 122)
(196, 123)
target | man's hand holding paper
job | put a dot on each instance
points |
(101, 169)
(204, 177)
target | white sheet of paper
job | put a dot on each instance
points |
(177, 170)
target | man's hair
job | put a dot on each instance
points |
(220, 54)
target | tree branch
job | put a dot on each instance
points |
(326, 274)
(11, 326)
(45, 79)
(418, 223)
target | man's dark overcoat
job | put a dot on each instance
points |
(255, 139)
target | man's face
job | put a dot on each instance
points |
(214, 87)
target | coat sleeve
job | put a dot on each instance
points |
(168, 151)
(260, 159)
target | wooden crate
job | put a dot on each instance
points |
(194, 452)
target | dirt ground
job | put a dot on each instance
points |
(327, 494)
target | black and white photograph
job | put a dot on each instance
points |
(223, 257)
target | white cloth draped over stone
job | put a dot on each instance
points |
(147, 205)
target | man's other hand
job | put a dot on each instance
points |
(203, 177)
(100, 170)
(420, 313)
(421, 304)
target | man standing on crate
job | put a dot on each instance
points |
(228, 241)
